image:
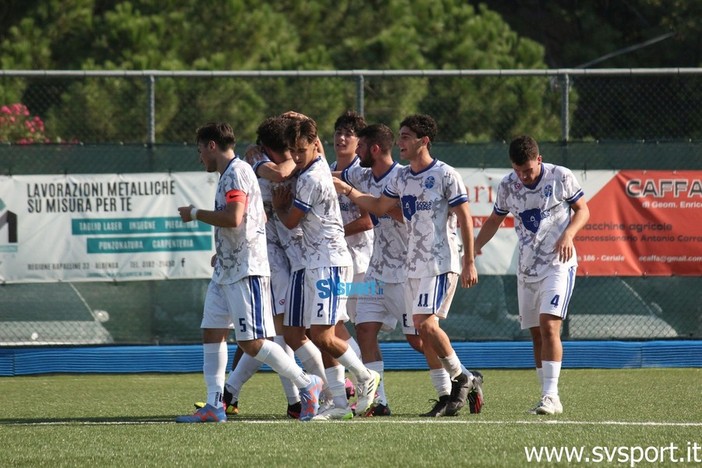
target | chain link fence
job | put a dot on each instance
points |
(128, 122)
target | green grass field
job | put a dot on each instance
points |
(127, 420)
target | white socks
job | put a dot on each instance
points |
(274, 357)
(441, 381)
(352, 362)
(214, 366)
(551, 372)
(291, 391)
(244, 370)
(336, 382)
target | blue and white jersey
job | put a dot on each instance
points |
(388, 262)
(241, 251)
(541, 214)
(321, 240)
(360, 244)
(276, 232)
(426, 198)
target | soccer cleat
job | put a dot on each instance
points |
(475, 396)
(231, 409)
(294, 410)
(334, 413)
(460, 387)
(439, 408)
(378, 410)
(549, 404)
(366, 392)
(309, 398)
(206, 414)
(533, 410)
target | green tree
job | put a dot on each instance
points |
(284, 35)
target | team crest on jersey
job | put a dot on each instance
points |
(429, 182)
(409, 206)
(548, 191)
(531, 219)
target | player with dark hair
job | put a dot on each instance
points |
(541, 197)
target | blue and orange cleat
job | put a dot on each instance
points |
(309, 398)
(206, 414)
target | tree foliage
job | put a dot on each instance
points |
(316, 35)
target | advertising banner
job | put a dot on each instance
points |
(642, 223)
(103, 227)
(127, 227)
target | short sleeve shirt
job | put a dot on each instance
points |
(241, 251)
(541, 215)
(322, 243)
(426, 198)
(388, 262)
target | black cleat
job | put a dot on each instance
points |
(475, 397)
(294, 410)
(439, 408)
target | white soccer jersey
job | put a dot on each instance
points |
(360, 244)
(323, 243)
(426, 199)
(276, 232)
(388, 262)
(241, 251)
(541, 214)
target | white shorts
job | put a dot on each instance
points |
(243, 306)
(388, 307)
(432, 295)
(316, 297)
(549, 295)
(280, 277)
(352, 299)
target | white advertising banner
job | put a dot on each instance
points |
(98, 227)
(126, 227)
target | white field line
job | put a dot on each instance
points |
(553, 422)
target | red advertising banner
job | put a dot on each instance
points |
(644, 223)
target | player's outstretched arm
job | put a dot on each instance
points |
(376, 205)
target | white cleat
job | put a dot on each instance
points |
(549, 404)
(365, 391)
(334, 414)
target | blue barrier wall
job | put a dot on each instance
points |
(397, 356)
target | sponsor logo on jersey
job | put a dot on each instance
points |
(410, 206)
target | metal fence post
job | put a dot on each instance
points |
(151, 112)
(565, 108)
(360, 98)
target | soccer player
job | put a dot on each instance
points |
(357, 223)
(434, 203)
(541, 197)
(317, 291)
(384, 305)
(238, 295)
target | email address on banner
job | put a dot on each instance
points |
(669, 259)
(631, 455)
